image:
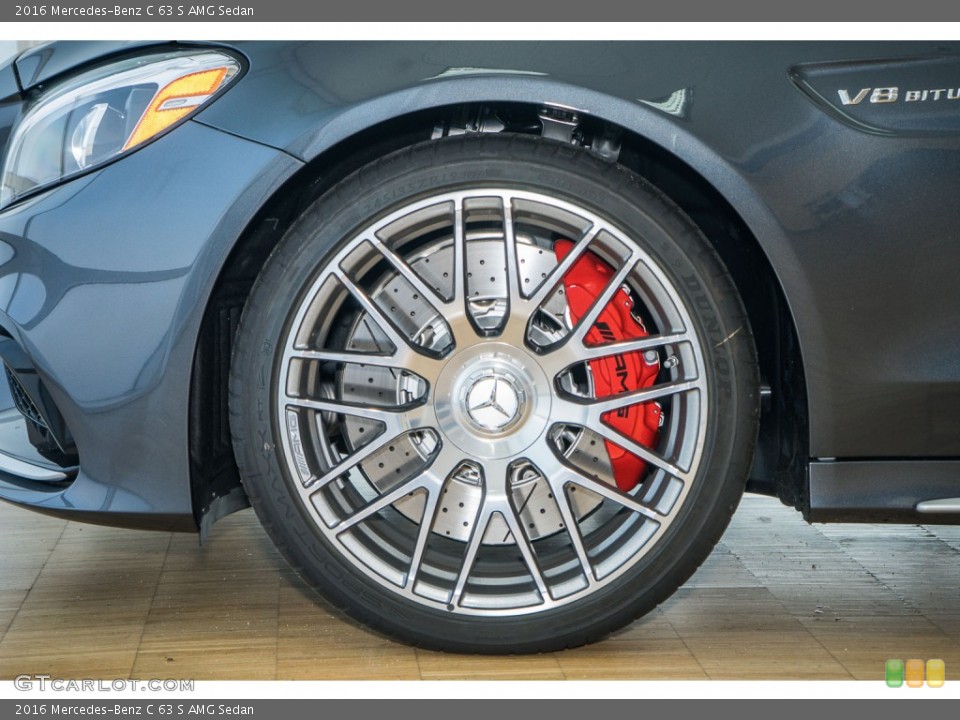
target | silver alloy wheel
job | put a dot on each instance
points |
(438, 411)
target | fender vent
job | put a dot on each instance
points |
(25, 405)
(46, 428)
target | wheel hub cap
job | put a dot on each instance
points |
(493, 403)
(493, 400)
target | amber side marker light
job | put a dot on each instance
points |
(175, 101)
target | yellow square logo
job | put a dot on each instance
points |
(936, 673)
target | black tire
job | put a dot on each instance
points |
(719, 330)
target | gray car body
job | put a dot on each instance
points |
(106, 279)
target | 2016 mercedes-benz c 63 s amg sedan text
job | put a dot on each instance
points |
(492, 336)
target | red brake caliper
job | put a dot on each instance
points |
(616, 374)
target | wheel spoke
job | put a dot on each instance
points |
(526, 551)
(459, 256)
(427, 367)
(396, 337)
(599, 407)
(395, 420)
(374, 506)
(587, 320)
(563, 475)
(456, 313)
(372, 446)
(514, 294)
(480, 523)
(641, 451)
(430, 505)
(537, 298)
(346, 356)
(384, 414)
(409, 274)
(572, 527)
(566, 355)
(445, 461)
(650, 342)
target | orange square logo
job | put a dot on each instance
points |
(914, 673)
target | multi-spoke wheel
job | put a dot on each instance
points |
(494, 395)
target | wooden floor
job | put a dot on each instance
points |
(777, 599)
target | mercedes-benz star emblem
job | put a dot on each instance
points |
(492, 403)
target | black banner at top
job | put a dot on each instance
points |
(738, 11)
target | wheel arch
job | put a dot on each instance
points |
(703, 184)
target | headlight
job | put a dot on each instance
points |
(103, 113)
